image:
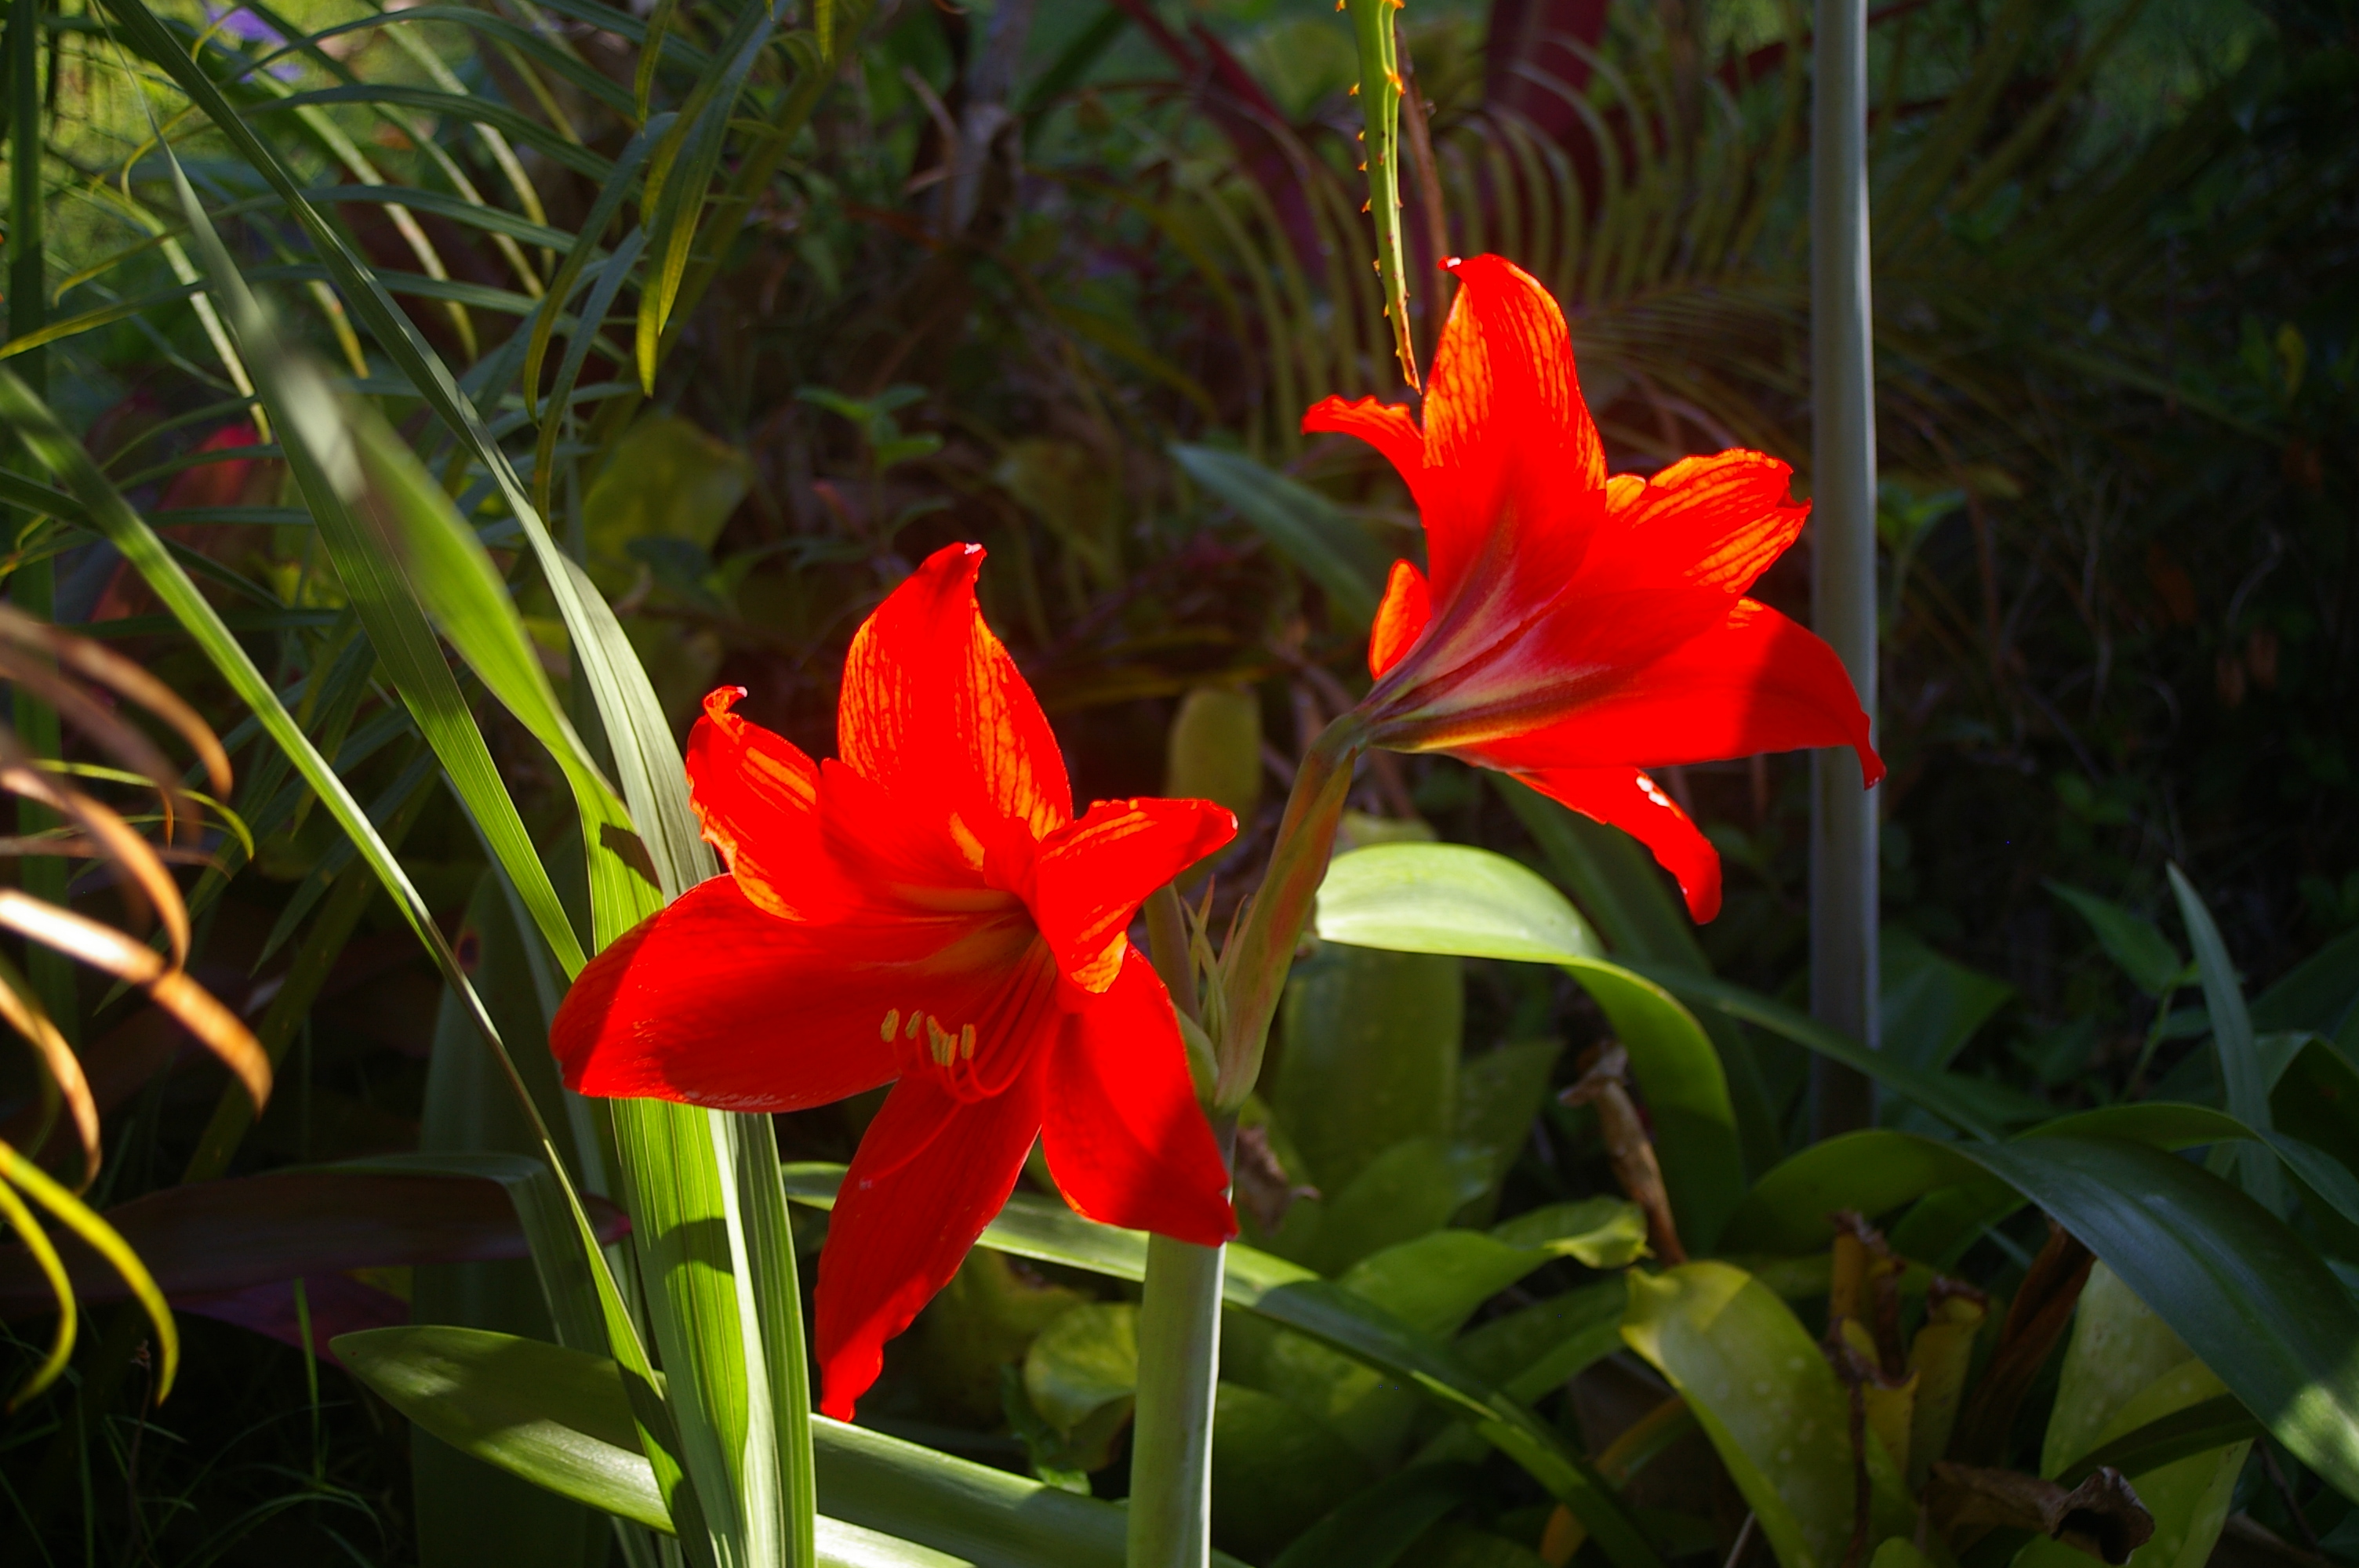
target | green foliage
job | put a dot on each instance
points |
(820, 313)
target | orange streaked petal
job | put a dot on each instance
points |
(1386, 426)
(935, 713)
(1713, 523)
(1091, 877)
(1757, 682)
(1504, 424)
(1628, 799)
(712, 1001)
(1126, 1138)
(930, 1173)
(756, 797)
(1400, 618)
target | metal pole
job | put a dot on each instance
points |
(1844, 903)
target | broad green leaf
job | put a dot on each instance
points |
(1435, 1282)
(1770, 1402)
(1369, 1058)
(1456, 898)
(2131, 940)
(2320, 1172)
(2118, 1347)
(1873, 1171)
(1619, 887)
(1449, 898)
(664, 478)
(2232, 1033)
(2229, 1277)
(1084, 1365)
(2123, 1371)
(1306, 527)
(1403, 1193)
(1499, 1093)
(1601, 1232)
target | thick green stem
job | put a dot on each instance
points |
(1254, 969)
(1178, 1363)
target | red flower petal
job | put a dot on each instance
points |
(1400, 618)
(1756, 683)
(1628, 799)
(712, 1001)
(1126, 1138)
(930, 1175)
(757, 795)
(1504, 422)
(1384, 426)
(1712, 521)
(935, 713)
(1091, 877)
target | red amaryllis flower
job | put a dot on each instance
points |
(923, 909)
(1577, 628)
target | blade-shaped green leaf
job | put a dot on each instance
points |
(1306, 527)
(1933, 1091)
(1877, 1170)
(2232, 1033)
(2230, 1278)
(2131, 940)
(1295, 1298)
(560, 1418)
(330, 448)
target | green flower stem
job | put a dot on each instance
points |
(1178, 1363)
(1255, 967)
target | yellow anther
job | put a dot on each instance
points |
(892, 1023)
(938, 1044)
(917, 1021)
(966, 1040)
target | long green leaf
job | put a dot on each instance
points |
(2232, 1033)
(332, 449)
(1453, 898)
(561, 1420)
(1295, 1298)
(1306, 527)
(48, 440)
(2230, 1278)
(1931, 1090)
(1877, 1170)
